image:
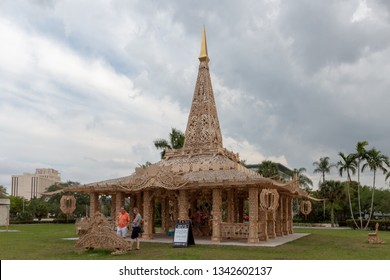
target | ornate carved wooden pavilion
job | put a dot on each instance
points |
(205, 175)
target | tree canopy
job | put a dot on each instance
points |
(3, 192)
(176, 141)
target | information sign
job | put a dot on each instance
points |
(183, 234)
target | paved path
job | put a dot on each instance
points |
(162, 238)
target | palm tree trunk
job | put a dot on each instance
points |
(372, 201)
(349, 200)
(359, 205)
(332, 215)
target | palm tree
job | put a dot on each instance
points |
(387, 176)
(348, 164)
(176, 141)
(375, 160)
(323, 166)
(268, 169)
(3, 192)
(145, 165)
(303, 180)
(360, 156)
(333, 191)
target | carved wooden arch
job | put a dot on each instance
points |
(68, 204)
(305, 207)
(269, 199)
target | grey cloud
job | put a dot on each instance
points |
(293, 78)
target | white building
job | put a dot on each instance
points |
(33, 185)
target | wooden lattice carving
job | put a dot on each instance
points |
(235, 230)
(68, 204)
(269, 199)
(99, 235)
(305, 207)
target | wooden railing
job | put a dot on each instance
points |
(235, 230)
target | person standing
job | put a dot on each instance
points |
(136, 225)
(123, 222)
(197, 221)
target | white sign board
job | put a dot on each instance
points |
(183, 234)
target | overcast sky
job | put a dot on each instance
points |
(86, 86)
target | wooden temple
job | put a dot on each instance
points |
(236, 202)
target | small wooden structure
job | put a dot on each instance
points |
(373, 236)
(97, 233)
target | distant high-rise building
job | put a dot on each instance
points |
(33, 185)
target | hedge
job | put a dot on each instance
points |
(383, 224)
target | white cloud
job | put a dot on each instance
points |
(362, 12)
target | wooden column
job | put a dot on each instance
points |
(94, 205)
(175, 210)
(262, 228)
(217, 215)
(117, 203)
(279, 215)
(285, 215)
(230, 206)
(271, 223)
(183, 205)
(290, 216)
(253, 215)
(113, 207)
(147, 215)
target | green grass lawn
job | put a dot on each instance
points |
(45, 242)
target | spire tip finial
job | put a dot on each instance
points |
(203, 49)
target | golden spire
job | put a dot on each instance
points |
(203, 49)
(203, 132)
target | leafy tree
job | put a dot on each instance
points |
(105, 204)
(268, 169)
(348, 164)
(333, 191)
(382, 201)
(387, 176)
(82, 199)
(18, 205)
(38, 208)
(375, 161)
(323, 166)
(176, 141)
(82, 204)
(3, 192)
